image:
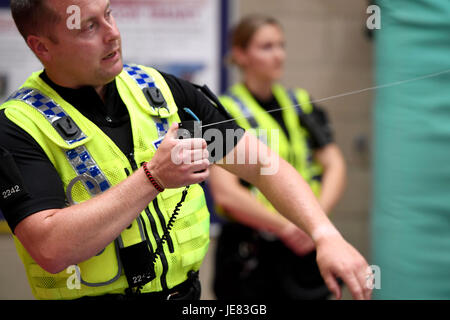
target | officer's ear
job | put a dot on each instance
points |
(39, 46)
(239, 56)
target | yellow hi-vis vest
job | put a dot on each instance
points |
(251, 116)
(96, 163)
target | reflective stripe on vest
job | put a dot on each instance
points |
(142, 78)
(46, 106)
(245, 111)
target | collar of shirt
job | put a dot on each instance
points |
(112, 112)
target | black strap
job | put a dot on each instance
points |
(213, 99)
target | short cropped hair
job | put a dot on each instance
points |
(34, 17)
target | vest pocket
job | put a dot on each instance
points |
(102, 269)
(195, 231)
(196, 239)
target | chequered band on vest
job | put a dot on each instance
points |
(142, 78)
(82, 162)
(296, 104)
(162, 126)
(46, 106)
(79, 158)
(245, 111)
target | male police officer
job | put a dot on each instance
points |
(87, 146)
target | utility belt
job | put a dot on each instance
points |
(187, 290)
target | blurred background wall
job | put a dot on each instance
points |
(328, 54)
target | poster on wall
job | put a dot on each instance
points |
(175, 36)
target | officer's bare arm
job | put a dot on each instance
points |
(59, 238)
(293, 198)
(244, 207)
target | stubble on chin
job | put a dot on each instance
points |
(106, 76)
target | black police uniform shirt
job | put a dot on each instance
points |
(25, 163)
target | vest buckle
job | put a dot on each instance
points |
(155, 98)
(67, 128)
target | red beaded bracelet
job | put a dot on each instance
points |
(150, 177)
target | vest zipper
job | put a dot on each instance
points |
(154, 229)
(162, 254)
(132, 161)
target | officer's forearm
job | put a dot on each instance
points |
(241, 205)
(57, 239)
(293, 198)
(281, 184)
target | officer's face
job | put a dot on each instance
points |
(265, 54)
(86, 54)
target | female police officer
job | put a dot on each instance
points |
(249, 262)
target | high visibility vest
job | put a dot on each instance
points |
(97, 164)
(247, 112)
